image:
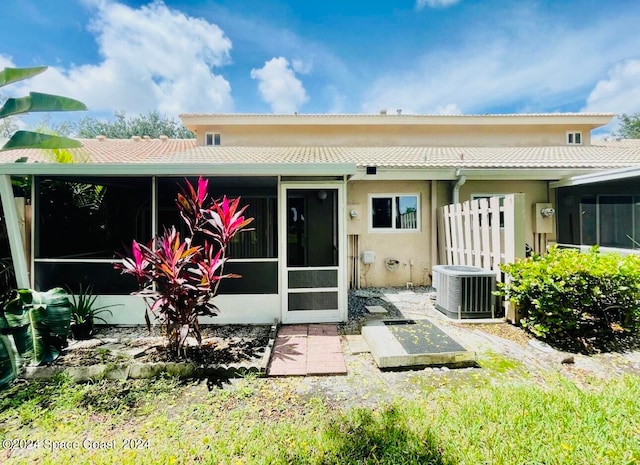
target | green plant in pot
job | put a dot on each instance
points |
(84, 313)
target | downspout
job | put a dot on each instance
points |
(456, 188)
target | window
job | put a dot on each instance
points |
(253, 253)
(211, 139)
(574, 138)
(260, 196)
(83, 224)
(90, 217)
(395, 212)
(610, 220)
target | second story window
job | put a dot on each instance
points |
(574, 138)
(211, 139)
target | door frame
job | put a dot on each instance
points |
(313, 316)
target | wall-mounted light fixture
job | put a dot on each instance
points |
(322, 196)
(353, 213)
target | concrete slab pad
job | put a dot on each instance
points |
(376, 309)
(420, 344)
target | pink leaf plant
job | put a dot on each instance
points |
(178, 277)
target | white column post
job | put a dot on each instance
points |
(13, 231)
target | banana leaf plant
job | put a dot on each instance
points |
(179, 275)
(35, 102)
(35, 325)
(8, 357)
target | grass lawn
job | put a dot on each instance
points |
(488, 419)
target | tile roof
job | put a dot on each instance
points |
(616, 143)
(427, 157)
(602, 155)
(108, 151)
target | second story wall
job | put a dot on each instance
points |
(394, 135)
(362, 130)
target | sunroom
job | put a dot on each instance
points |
(600, 209)
(292, 262)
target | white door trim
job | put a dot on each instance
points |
(313, 316)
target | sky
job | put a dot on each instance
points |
(286, 56)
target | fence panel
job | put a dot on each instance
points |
(484, 232)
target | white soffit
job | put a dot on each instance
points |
(600, 176)
(177, 169)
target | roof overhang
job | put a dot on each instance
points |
(478, 174)
(593, 120)
(599, 176)
(177, 169)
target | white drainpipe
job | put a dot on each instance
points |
(456, 188)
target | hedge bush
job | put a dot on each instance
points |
(568, 293)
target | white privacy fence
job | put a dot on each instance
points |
(409, 220)
(483, 232)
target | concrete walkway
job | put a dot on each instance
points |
(302, 350)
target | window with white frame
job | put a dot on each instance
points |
(211, 138)
(574, 138)
(395, 212)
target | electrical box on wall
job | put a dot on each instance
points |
(368, 257)
(543, 214)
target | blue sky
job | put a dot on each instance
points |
(421, 56)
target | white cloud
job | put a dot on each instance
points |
(302, 66)
(449, 109)
(420, 4)
(619, 92)
(279, 86)
(530, 63)
(6, 62)
(152, 58)
(335, 98)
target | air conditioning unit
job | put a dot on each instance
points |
(464, 292)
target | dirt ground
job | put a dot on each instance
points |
(505, 353)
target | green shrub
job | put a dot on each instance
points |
(568, 293)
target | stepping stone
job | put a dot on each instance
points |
(357, 344)
(301, 350)
(376, 309)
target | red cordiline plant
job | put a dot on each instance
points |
(179, 277)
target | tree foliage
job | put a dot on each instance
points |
(152, 124)
(34, 102)
(630, 126)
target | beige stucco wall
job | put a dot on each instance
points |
(412, 249)
(400, 135)
(534, 191)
